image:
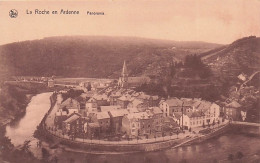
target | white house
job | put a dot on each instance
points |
(91, 106)
(192, 119)
(170, 105)
(210, 110)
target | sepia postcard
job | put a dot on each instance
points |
(130, 81)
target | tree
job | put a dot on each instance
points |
(183, 161)
(45, 153)
(195, 67)
(55, 159)
(163, 134)
(230, 157)
(5, 145)
(71, 160)
(26, 146)
(239, 155)
(89, 87)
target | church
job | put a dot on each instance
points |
(125, 81)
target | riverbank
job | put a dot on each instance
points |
(13, 104)
(14, 134)
(101, 146)
(98, 146)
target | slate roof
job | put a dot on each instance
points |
(118, 113)
(102, 115)
(195, 114)
(70, 101)
(204, 106)
(100, 97)
(133, 110)
(109, 108)
(234, 104)
(139, 115)
(174, 102)
(124, 98)
(156, 110)
(136, 102)
(72, 118)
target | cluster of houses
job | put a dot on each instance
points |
(120, 111)
(131, 114)
(124, 111)
(240, 100)
(189, 113)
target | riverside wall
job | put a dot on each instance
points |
(142, 147)
(137, 147)
(213, 134)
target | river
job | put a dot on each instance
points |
(23, 130)
(213, 150)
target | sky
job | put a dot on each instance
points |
(216, 21)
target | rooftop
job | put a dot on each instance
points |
(140, 115)
(174, 102)
(133, 110)
(109, 108)
(118, 113)
(156, 110)
(72, 118)
(233, 104)
(195, 114)
(102, 115)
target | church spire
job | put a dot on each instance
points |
(124, 71)
(123, 80)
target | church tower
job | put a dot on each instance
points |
(123, 79)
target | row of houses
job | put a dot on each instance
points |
(103, 115)
(126, 112)
(110, 122)
(189, 113)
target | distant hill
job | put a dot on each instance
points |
(242, 56)
(93, 56)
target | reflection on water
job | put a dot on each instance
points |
(213, 150)
(35, 111)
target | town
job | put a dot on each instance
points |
(114, 111)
